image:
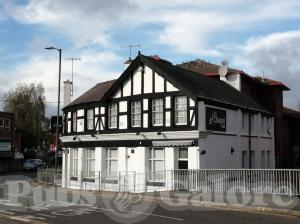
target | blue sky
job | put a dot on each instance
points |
(254, 36)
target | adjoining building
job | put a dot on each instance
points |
(158, 116)
(269, 94)
(10, 143)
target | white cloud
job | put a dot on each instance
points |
(82, 22)
(277, 55)
(44, 69)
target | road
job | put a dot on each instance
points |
(49, 205)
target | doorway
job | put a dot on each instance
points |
(183, 159)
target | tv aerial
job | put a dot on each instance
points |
(223, 68)
(72, 59)
(130, 46)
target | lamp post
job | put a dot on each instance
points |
(58, 102)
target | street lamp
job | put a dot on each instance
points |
(58, 101)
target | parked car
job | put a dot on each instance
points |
(34, 164)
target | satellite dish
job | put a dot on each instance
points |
(223, 69)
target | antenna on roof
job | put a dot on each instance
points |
(72, 59)
(223, 68)
(130, 46)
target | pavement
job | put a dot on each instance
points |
(28, 203)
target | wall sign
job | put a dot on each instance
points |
(215, 119)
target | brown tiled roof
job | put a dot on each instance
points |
(94, 94)
(204, 67)
(211, 70)
(291, 113)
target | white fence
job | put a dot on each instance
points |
(276, 181)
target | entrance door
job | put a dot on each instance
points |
(183, 159)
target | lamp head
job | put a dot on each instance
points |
(50, 48)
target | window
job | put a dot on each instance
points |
(74, 117)
(111, 162)
(157, 112)
(252, 117)
(90, 119)
(90, 163)
(112, 115)
(269, 125)
(263, 159)
(136, 114)
(1, 123)
(183, 153)
(75, 162)
(156, 164)
(180, 110)
(7, 124)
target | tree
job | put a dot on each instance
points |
(28, 104)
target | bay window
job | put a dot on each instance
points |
(112, 115)
(90, 163)
(180, 110)
(157, 112)
(74, 162)
(156, 164)
(111, 162)
(136, 114)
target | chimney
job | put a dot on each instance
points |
(67, 92)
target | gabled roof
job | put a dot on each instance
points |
(192, 83)
(95, 94)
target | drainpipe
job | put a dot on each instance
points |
(249, 139)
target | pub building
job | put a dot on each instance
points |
(158, 116)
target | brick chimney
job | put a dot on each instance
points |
(67, 92)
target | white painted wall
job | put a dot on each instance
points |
(148, 80)
(159, 83)
(193, 157)
(123, 122)
(137, 81)
(127, 87)
(123, 106)
(171, 88)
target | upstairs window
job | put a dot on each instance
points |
(112, 115)
(136, 114)
(90, 119)
(74, 120)
(157, 112)
(180, 110)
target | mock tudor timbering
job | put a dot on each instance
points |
(156, 107)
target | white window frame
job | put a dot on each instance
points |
(157, 112)
(112, 115)
(108, 160)
(75, 158)
(180, 110)
(90, 119)
(136, 113)
(74, 121)
(158, 176)
(90, 158)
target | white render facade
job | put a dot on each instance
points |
(146, 123)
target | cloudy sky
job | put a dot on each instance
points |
(254, 36)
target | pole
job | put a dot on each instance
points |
(58, 105)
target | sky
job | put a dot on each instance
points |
(258, 37)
